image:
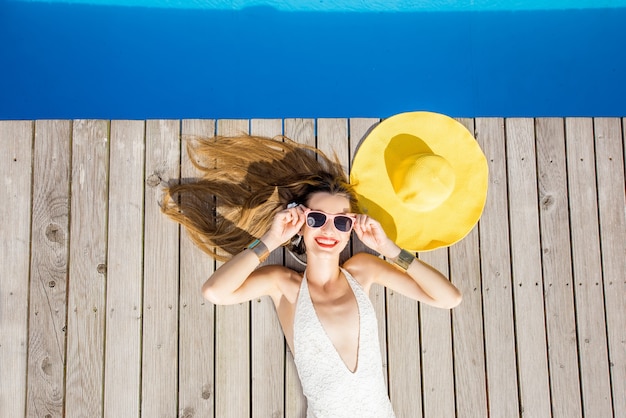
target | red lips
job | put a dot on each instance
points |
(326, 242)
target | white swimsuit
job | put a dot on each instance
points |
(331, 389)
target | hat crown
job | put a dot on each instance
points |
(423, 181)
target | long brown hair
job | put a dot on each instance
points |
(243, 182)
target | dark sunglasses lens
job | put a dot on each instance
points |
(315, 219)
(343, 223)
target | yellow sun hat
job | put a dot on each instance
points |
(423, 176)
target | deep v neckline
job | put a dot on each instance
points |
(328, 339)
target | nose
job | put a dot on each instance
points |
(329, 226)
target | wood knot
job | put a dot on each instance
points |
(102, 268)
(46, 366)
(188, 412)
(547, 202)
(206, 393)
(153, 180)
(54, 233)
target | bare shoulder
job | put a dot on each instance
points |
(287, 281)
(364, 267)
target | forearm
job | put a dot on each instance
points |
(435, 284)
(231, 275)
(431, 281)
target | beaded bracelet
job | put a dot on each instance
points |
(260, 249)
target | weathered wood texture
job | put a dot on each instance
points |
(160, 277)
(15, 172)
(101, 314)
(557, 268)
(267, 344)
(497, 291)
(527, 279)
(586, 260)
(122, 373)
(47, 304)
(467, 324)
(232, 337)
(196, 371)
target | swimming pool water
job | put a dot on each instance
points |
(79, 59)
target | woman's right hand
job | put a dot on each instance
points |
(238, 280)
(285, 225)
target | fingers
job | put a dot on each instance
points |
(297, 215)
(365, 224)
(293, 216)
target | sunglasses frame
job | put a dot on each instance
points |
(328, 217)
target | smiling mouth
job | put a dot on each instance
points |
(326, 242)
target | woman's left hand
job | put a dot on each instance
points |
(371, 233)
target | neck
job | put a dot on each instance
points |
(322, 271)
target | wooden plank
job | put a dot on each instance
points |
(197, 315)
(497, 290)
(598, 257)
(436, 343)
(358, 129)
(467, 322)
(538, 207)
(87, 269)
(303, 131)
(268, 342)
(232, 335)
(469, 360)
(332, 139)
(122, 372)
(587, 268)
(403, 352)
(160, 286)
(16, 138)
(557, 268)
(404, 355)
(612, 207)
(48, 269)
(533, 378)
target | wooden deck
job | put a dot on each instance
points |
(101, 315)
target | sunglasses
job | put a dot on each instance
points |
(317, 219)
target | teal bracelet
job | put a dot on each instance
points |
(260, 249)
(404, 259)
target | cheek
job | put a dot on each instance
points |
(345, 240)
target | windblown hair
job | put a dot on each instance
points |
(243, 182)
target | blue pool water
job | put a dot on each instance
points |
(402, 6)
(175, 59)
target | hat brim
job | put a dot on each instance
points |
(409, 133)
